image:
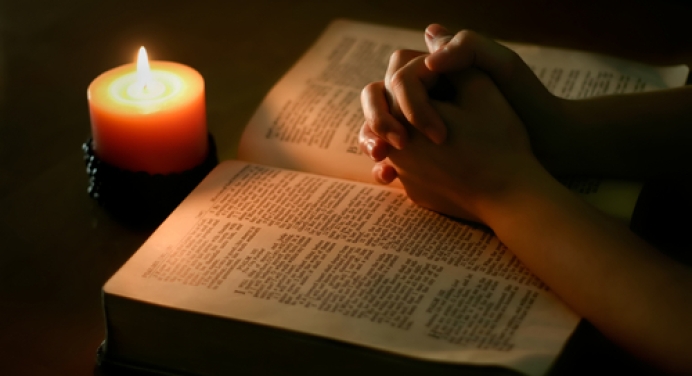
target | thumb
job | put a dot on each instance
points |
(436, 37)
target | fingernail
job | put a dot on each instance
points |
(394, 139)
(435, 30)
(370, 146)
(388, 174)
(384, 174)
(377, 173)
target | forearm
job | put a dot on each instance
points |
(633, 294)
(640, 136)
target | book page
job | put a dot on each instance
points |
(349, 261)
(578, 75)
(310, 119)
(617, 198)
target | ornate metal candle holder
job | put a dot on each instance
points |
(141, 198)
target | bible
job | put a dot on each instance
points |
(291, 260)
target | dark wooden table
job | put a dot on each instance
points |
(58, 246)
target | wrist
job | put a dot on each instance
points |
(515, 197)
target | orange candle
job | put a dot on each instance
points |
(149, 117)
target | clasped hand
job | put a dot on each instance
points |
(440, 124)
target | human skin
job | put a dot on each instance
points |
(640, 136)
(486, 165)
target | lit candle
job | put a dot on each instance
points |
(149, 117)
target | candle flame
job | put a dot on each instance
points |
(143, 71)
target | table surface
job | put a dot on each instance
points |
(58, 246)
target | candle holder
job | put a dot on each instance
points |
(140, 198)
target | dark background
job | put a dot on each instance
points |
(58, 246)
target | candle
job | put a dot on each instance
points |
(149, 117)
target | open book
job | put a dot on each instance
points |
(290, 260)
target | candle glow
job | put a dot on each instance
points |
(149, 116)
(143, 70)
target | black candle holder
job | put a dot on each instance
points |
(140, 198)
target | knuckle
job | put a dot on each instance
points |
(416, 118)
(367, 91)
(397, 80)
(395, 56)
(465, 40)
(398, 56)
(378, 125)
(465, 36)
